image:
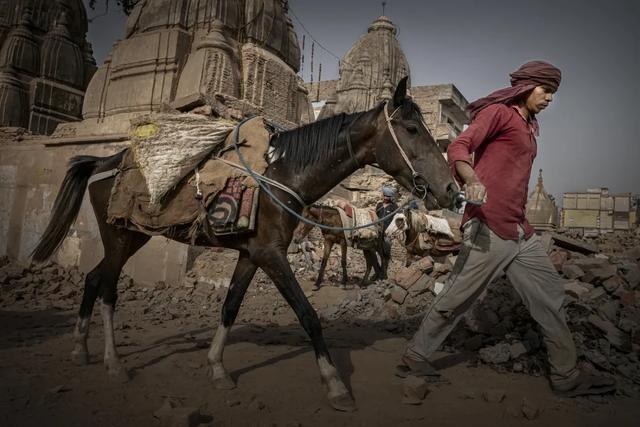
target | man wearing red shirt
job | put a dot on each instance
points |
(493, 159)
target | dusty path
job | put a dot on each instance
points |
(278, 382)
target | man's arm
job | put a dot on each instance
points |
(484, 127)
(475, 192)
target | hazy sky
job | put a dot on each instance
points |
(589, 134)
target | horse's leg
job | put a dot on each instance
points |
(328, 244)
(372, 262)
(118, 248)
(94, 283)
(384, 259)
(278, 269)
(242, 275)
(343, 261)
(80, 353)
(367, 258)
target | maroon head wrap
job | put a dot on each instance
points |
(523, 80)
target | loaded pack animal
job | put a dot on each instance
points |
(330, 216)
(423, 234)
(392, 134)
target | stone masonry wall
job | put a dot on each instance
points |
(30, 177)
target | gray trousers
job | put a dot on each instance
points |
(483, 257)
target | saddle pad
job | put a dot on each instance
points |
(438, 226)
(130, 202)
(187, 202)
(361, 237)
(346, 207)
(438, 234)
(234, 209)
(347, 222)
(364, 217)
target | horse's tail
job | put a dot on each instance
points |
(66, 206)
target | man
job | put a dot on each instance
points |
(383, 209)
(497, 236)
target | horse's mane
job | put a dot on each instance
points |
(312, 143)
(317, 141)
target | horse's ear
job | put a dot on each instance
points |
(401, 92)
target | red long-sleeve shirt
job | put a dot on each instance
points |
(504, 145)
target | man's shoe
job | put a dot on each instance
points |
(585, 384)
(418, 368)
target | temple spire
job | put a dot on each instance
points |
(540, 183)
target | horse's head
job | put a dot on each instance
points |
(399, 225)
(404, 148)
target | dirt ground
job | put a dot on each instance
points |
(269, 356)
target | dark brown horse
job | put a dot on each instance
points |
(327, 215)
(300, 160)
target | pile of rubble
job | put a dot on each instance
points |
(602, 297)
(39, 286)
(51, 286)
(603, 310)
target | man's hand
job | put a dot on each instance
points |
(474, 191)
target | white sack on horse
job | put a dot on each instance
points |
(167, 147)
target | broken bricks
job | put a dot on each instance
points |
(499, 353)
(171, 414)
(414, 390)
(494, 395)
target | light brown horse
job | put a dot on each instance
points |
(327, 215)
(408, 227)
(392, 135)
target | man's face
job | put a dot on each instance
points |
(539, 99)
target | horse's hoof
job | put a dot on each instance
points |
(343, 402)
(80, 358)
(224, 383)
(118, 374)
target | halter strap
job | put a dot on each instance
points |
(420, 188)
(395, 138)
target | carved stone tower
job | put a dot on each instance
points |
(45, 63)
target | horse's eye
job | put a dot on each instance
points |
(412, 129)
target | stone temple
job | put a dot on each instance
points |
(369, 73)
(45, 63)
(176, 55)
(182, 53)
(541, 209)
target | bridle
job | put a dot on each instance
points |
(419, 190)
